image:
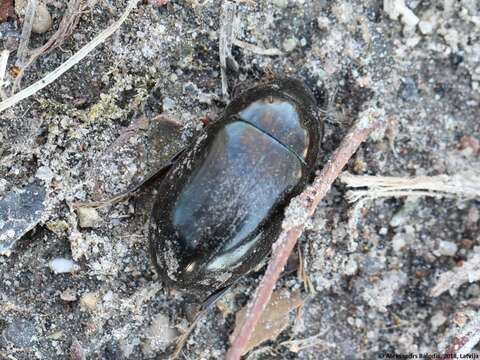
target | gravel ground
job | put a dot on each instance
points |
(143, 94)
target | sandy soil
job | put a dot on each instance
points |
(102, 127)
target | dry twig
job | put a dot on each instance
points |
(22, 51)
(465, 340)
(462, 185)
(228, 29)
(67, 65)
(297, 214)
(65, 29)
(257, 49)
(3, 69)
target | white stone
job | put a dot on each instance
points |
(62, 266)
(446, 248)
(89, 301)
(425, 27)
(393, 8)
(88, 217)
(323, 23)
(68, 295)
(290, 44)
(42, 21)
(397, 8)
(44, 173)
(159, 335)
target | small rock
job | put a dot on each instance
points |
(446, 248)
(323, 23)
(168, 103)
(25, 209)
(409, 19)
(42, 21)
(68, 295)
(425, 27)
(89, 301)
(58, 227)
(351, 267)
(290, 44)
(21, 333)
(44, 173)
(88, 217)
(393, 8)
(159, 335)
(62, 266)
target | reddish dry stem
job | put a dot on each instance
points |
(289, 236)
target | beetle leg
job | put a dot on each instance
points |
(204, 307)
(155, 174)
(213, 298)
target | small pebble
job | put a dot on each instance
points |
(160, 334)
(351, 267)
(323, 23)
(21, 333)
(62, 266)
(68, 295)
(89, 301)
(44, 173)
(290, 44)
(446, 248)
(383, 231)
(88, 217)
(425, 27)
(168, 103)
(42, 21)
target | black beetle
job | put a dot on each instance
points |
(221, 203)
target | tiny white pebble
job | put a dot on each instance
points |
(61, 266)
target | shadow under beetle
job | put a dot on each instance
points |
(221, 203)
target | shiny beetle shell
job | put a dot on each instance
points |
(220, 206)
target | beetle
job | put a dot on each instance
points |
(220, 205)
